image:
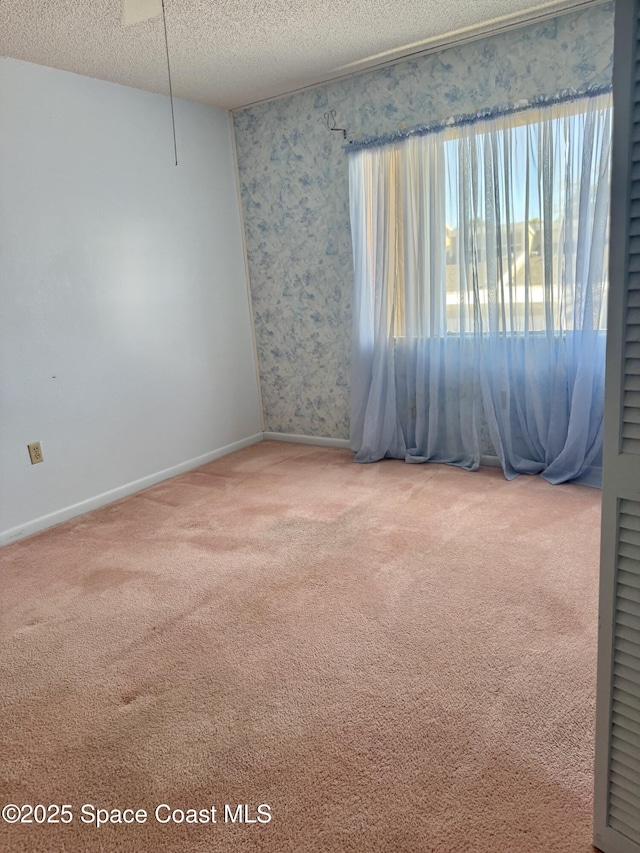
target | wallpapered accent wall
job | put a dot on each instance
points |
(295, 193)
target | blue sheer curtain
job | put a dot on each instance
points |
(480, 256)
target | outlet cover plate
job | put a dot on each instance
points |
(35, 452)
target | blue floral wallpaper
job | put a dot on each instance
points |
(295, 194)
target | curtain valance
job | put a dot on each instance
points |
(565, 96)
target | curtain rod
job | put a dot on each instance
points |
(439, 125)
(476, 33)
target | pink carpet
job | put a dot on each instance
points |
(390, 657)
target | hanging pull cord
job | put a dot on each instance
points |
(173, 118)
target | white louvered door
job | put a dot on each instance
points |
(617, 764)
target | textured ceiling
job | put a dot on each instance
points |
(234, 52)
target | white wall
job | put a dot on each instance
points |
(125, 337)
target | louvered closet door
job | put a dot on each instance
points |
(617, 765)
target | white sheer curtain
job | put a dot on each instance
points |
(480, 256)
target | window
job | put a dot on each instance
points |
(480, 258)
(486, 224)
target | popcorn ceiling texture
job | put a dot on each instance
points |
(228, 53)
(295, 195)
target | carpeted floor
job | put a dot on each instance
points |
(390, 657)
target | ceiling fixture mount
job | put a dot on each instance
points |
(138, 11)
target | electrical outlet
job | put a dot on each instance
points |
(35, 452)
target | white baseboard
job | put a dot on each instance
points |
(57, 517)
(316, 440)
(319, 441)
(13, 534)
